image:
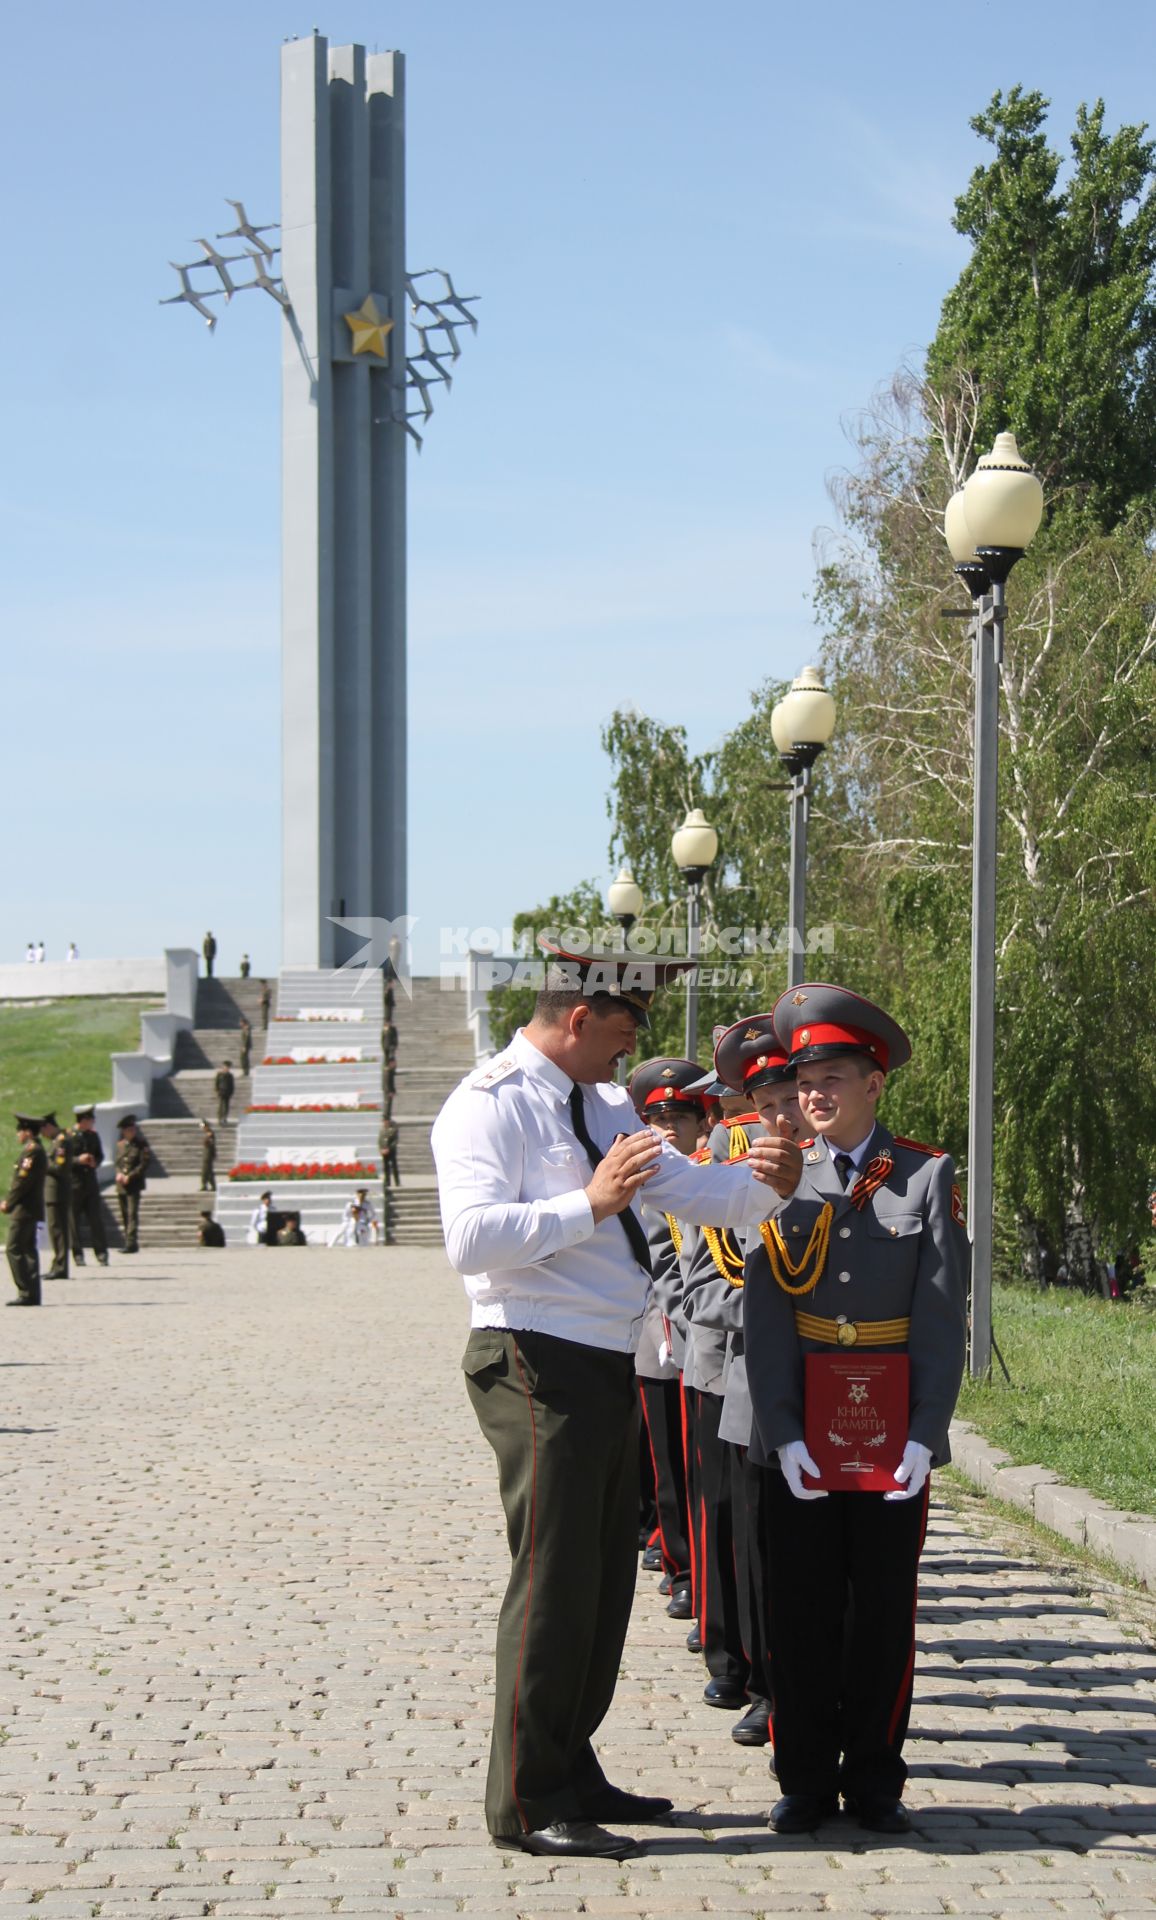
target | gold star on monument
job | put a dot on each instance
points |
(369, 328)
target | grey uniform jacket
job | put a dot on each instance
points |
(905, 1254)
(713, 1304)
(648, 1363)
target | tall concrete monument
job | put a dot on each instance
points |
(347, 382)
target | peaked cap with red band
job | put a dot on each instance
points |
(631, 977)
(666, 1086)
(750, 1054)
(817, 1022)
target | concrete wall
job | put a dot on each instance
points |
(61, 980)
(133, 1073)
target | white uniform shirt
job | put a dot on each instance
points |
(518, 1226)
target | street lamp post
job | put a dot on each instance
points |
(624, 899)
(802, 722)
(988, 525)
(694, 846)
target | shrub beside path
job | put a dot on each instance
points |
(251, 1560)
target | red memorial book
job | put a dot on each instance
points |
(855, 1415)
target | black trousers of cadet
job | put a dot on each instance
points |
(86, 1209)
(843, 1674)
(749, 1511)
(718, 1599)
(662, 1424)
(562, 1419)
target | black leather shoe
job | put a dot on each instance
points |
(802, 1812)
(635, 1809)
(102, 1259)
(652, 1560)
(22, 1300)
(680, 1606)
(570, 1840)
(78, 1260)
(754, 1729)
(56, 1273)
(724, 1693)
(694, 1640)
(664, 1587)
(881, 1816)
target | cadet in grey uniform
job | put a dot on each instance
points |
(660, 1092)
(751, 1061)
(869, 1254)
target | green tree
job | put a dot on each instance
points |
(1053, 320)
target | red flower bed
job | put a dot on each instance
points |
(307, 1170)
(312, 1060)
(318, 1106)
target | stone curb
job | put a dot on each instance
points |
(1127, 1538)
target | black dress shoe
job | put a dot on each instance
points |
(724, 1693)
(802, 1812)
(56, 1273)
(680, 1606)
(571, 1839)
(754, 1729)
(22, 1300)
(694, 1640)
(664, 1586)
(78, 1259)
(652, 1560)
(880, 1815)
(636, 1809)
(102, 1259)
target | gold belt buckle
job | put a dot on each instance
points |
(847, 1334)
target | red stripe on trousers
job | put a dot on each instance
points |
(668, 1559)
(529, 1590)
(909, 1670)
(690, 1539)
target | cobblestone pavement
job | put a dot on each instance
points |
(251, 1561)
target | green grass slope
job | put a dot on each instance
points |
(54, 1057)
(1083, 1398)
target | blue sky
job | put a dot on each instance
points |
(700, 242)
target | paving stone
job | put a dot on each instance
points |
(288, 1558)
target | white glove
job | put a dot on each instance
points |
(795, 1460)
(912, 1471)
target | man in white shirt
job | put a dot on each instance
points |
(540, 1157)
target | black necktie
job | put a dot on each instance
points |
(631, 1224)
(844, 1166)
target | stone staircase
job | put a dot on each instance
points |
(434, 1050)
(172, 1202)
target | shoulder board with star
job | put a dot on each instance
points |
(920, 1146)
(496, 1070)
(699, 1155)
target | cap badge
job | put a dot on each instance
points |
(797, 999)
(762, 1060)
(803, 1036)
(752, 1033)
(668, 1073)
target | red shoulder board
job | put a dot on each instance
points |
(750, 1119)
(700, 1154)
(736, 1160)
(919, 1146)
(808, 1143)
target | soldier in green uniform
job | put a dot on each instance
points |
(132, 1158)
(266, 1002)
(290, 1235)
(246, 967)
(210, 1233)
(387, 1147)
(57, 1194)
(224, 1086)
(209, 949)
(25, 1209)
(208, 1158)
(246, 1044)
(86, 1156)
